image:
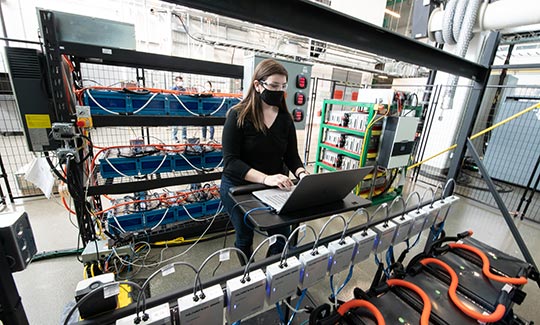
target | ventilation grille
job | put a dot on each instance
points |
(23, 63)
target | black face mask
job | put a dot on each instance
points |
(272, 97)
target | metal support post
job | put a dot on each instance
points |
(504, 210)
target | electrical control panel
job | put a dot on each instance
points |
(245, 297)
(418, 221)
(298, 84)
(159, 315)
(282, 280)
(385, 234)
(397, 141)
(444, 206)
(207, 309)
(403, 228)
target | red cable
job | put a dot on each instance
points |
(491, 318)
(426, 312)
(358, 303)
(486, 268)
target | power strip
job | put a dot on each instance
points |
(444, 205)
(245, 298)
(207, 310)
(364, 245)
(403, 224)
(159, 315)
(432, 212)
(314, 266)
(385, 235)
(418, 221)
(281, 281)
(341, 254)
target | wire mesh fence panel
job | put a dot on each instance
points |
(14, 152)
(510, 152)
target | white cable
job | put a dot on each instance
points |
(160, 221)
(190, 216)
(176, 256)
(114, 168)
(117, 222)
(220, 106)
(99, 105)
(145, 104)
(293, 309)
(189, 162)
(161, 164)
(184, 106)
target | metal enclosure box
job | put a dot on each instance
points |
(32, 93)
(295, 89)
(17, 239)
(397, 141)
(94, 31)
(422, 10)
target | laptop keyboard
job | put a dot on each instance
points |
(278, 199)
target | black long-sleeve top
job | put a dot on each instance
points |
(245, 148)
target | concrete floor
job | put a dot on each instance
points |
(46, 287)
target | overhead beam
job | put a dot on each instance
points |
(317, 21)
(120, 57)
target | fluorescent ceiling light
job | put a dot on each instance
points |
(382, 77)
(392, 13)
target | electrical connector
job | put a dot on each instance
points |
(282, 280)
(432, 213)
(341, 254)
(364, 245)
(63, 131)
(418, 221)
(245, 296)
(444, 206)
(208, 309)
(385, 234)
(159, 315)
(314, 266)
(403, 228)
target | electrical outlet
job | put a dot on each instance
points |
(64, 154)
(385, 235)
(444, 206)
(364, 245)
(245, 298)
(341, 254)
(281, 281)
(403, 224)
(63, 131)
(314, 266)
(432, 212)
(418, 221)
(159, 315)
(207, 310)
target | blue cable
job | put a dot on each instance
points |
(389, 254)
(253, 210)
(297, 306)
(347, 279)
(280, 313)
(236, 323)
(384, 270)
(439, 231)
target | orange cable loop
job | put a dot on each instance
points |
(486, 267)
(67, 206)
(491, 318)
(426, 312)
(159, 90)
(358, 303)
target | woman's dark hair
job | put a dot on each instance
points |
(251, 107)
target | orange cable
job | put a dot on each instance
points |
(486, 267)
(158, 90)
(66, 206)
(426, 312)
(491, 318)
(358, 303)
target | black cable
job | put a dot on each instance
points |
(54, 170)
(136, 92)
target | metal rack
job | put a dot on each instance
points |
(91, 54)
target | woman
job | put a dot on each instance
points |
(259, 144)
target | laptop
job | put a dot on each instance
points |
(313, 190)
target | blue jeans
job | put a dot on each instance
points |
(244, 234)
(174, 134)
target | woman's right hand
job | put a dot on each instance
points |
(279, 180)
